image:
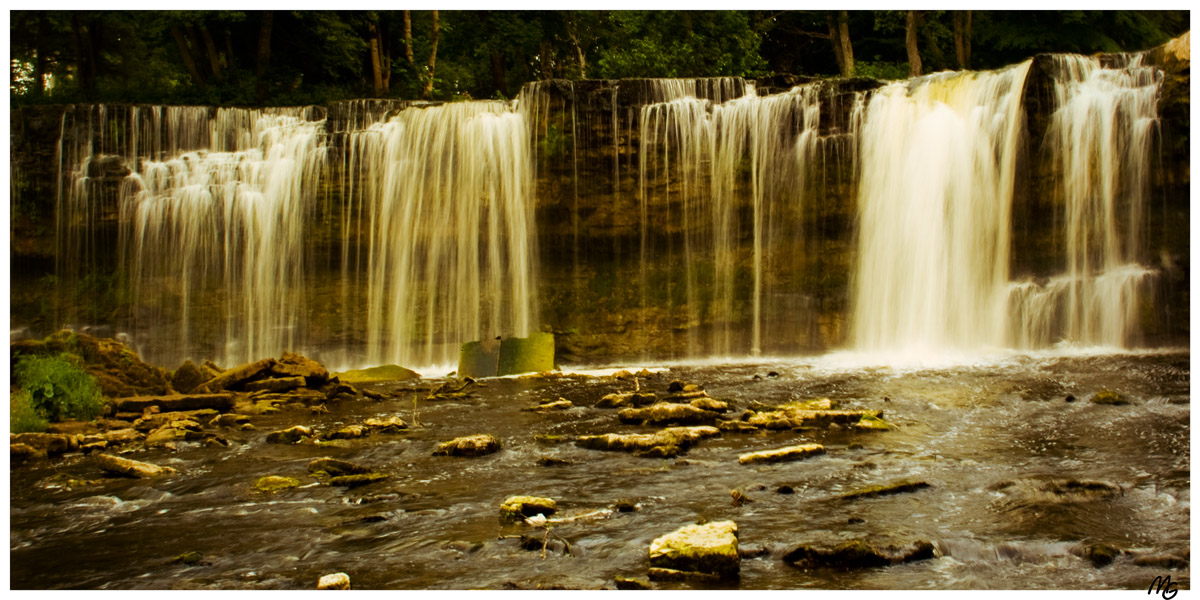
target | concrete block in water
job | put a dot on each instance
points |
(509, 356)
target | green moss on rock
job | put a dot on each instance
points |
(275, 483)
(516, 508)
(709, 548)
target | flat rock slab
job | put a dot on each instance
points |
(626, 400)
(792, 418)
(709, 548)
(789, 453)
(357, 480)
(679, 438)
(48, 443)
(175, 403)
(281, 384)
(130, 468)
(667, 413)
(236, 376)
(473, 445)
(380, 373)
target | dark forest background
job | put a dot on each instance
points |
(309, 57)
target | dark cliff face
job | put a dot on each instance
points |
(631, 261)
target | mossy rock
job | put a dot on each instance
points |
(1109, 397)
(872, 423)
(479, 359)
(473, 445)
(275, 483)
(380, 373)
(332, 467)
(516, 508)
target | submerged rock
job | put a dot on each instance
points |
(710, 548)
(660, 574)
(516, 508)
(1035, 491)
(357, 480)
(788, 453)
(275, 483)
(664, 443)
(887, 489)
(334, 581)
(332, 467)
(130, 468)
(856, 554)
(549, 406)
(291, 435)
(1100, 555)
(1160, 561)
(474, 445)
(1109, 397)
(666, 413)
(348, 432)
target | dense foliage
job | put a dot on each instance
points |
(57, 387)
(297, 57)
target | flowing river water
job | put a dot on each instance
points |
(966, 429)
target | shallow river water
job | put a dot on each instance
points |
(964, 429)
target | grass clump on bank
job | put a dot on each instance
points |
(52, 388)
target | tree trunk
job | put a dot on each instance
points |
(835, 34)
(910, 44)
(83, 56)
(962, 38)
(376, 68)
(408, 55)
(498, 74)
(188, 60)
(228, 49)
(847, 49)
(263, 57)
(214, 59)
(545, 61)
(428, 91)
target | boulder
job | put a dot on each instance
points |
(380, 373)
(474, 445)
(334, 581)
(291, 435)
(130, 468)
(622, 375)
(178, 402)
(280, 384)
(235, 377)
(666, 413)
(348, 432)
(48, 443)
(357, 480)
(294, 365)
(516, 508)
(118, 370)
(789, 453)
(626, 399)
(274, 483)
(887, 489)
(188, 377)
(664, 443)
(709, 548)
(856, 554)
(532, 354)
(332, 467)
(19, 452)
(390, 425)
(1100, 555)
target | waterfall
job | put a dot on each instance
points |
(449, 218)
(715, 159)
(214, 237)
(1099, 141)
(939, 155)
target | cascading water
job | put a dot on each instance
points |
(449, 219)
(223, 226)
(715, 159)
(939, 155)
(1099, 140)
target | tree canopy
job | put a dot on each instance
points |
(303, 57)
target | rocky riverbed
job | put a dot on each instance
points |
(804, 473)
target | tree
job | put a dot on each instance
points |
(263, 56)
(962, 38)
(427, 91)
(910, 43)
(839, 38)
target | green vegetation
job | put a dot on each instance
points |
(23, 418)
(278, 57)
(58, 388)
